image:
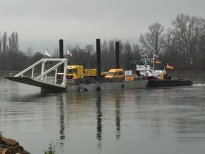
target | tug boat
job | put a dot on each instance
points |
(157, 77)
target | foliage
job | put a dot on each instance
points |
(51, 149)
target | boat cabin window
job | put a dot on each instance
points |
(142, 62)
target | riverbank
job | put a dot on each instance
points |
(186, 73)
(11, 146)
(7, 73)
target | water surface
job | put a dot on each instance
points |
(144, 121)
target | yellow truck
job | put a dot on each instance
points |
(115, 75)
(90, 72)
(78, 73)
(74, 71)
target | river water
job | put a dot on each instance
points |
(141, 121)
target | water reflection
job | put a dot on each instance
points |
(106, 122)
(117, 115)
(179, 109)
(62, 118)
(190, 129)
(99, 119)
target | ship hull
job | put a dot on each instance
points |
(140, 84)
(168, 83)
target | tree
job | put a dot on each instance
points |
(111, 54)
(89, 59)
(12, 54)
(187, 33)
(136, 52)
(154, 39)
(13, 42)
(0, 43)
(4, 50)
(127, 55)
(108, 55)
(201, 53)
(29, 52)
(4, 42)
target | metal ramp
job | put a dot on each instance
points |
(46, 73)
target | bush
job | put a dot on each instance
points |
(51, 149)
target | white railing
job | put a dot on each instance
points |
(43, 75)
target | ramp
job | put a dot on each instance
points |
(54, 82)
(37, 83)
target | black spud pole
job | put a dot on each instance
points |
(98, 61)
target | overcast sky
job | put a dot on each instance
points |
(41, 23)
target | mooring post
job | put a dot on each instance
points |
(98, 61)
(117, 54)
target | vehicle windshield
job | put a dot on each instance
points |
(71, 71)
(111, 73)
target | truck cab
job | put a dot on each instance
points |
(74, 71)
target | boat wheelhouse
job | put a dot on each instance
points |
(146, 68)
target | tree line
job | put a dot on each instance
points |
(182, 45)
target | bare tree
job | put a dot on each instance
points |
(154, 39)
(201, 53)
(111, 53)
(13, 42)
(105, 56)
(90, 61)
(4, 42)
(29, 52)
(4, 50)
(127, 55)
(0, 43)
(137, 52)
(187, 33)
(108, 55)
(12, 54)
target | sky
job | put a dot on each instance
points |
(40, 24)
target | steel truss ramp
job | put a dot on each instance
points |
(49, 80)
(37, 83)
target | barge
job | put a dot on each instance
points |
(54, 78)
(51, 79)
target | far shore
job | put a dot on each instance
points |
(7, 73)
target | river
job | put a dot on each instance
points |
(142, 121)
